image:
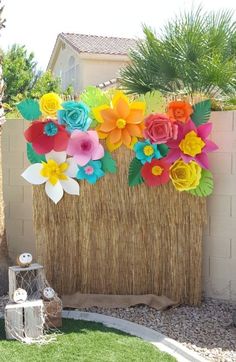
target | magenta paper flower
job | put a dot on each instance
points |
(85, 146)
(192, 144)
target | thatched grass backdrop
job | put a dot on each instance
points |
(116, 239)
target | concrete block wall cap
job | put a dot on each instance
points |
(159, 340)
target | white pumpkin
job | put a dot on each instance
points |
(48, 293)
(24, 260)
(20, 295)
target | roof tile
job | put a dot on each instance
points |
(99, 44)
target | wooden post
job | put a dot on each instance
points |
(24, 320)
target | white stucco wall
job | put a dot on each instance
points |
(88, 69)
(70, 74)
(219, 241)
(96, 71)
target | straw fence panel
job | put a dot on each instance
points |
(116, 239)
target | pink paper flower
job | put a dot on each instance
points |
(159, 129)
(192, 144)
(85, 146)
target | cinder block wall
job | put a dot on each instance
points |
(219, 248)
(219, 244)
(17, 193)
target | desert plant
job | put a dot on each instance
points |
(194, 52)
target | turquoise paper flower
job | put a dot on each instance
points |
(91, 172)
(74, 115)
(146, 151)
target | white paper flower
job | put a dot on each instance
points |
(56, 173)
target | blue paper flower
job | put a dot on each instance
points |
(74, 115)
(91, 172)
(146, 151)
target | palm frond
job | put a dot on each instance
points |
(194, 52)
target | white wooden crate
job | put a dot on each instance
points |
(25, 320)
(31, 279)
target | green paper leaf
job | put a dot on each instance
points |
(163, 149)
(29, 109)
(205, 186)
(34, 157)
(108, 164)
(155, 102)
(135, 177)
(93, 97)
(201, 112)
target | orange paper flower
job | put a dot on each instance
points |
(121, 123)
(179, 111)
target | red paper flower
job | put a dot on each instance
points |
(155, 173)
(47, 136)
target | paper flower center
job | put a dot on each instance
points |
(89, 170)
(50, 129)
(191, 144)
(86, 145)
(157, 170)
(53, 171)
(148, 150)
(121, 123)
(178, 112)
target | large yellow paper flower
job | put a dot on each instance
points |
(191, 144)
(185, 176)
(120, 123)
(49, 104)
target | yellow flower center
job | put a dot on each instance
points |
(53, 171)
(157, 170)
(191, 144)
(148, 150)
(120, 123)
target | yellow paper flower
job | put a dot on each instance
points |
(191, 144)
(185, 176)
(53, 171)
(121, 123)
(49, 104)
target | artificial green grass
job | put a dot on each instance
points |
(84, 342)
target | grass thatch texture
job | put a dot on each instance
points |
(116, 239)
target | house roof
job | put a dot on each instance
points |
(112, 83)
(98, 44)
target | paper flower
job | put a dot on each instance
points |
(159, 129)
(90, 172)
(145, 151)
(85, 146)
(192, 144)
(121, 122)
(56, 173)
(47, 136)
(156, 172)
(185, 176)
(179, 111)
(49, 104)
(74, 115)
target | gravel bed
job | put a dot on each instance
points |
(208, 329)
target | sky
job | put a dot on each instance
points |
(36, 23)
